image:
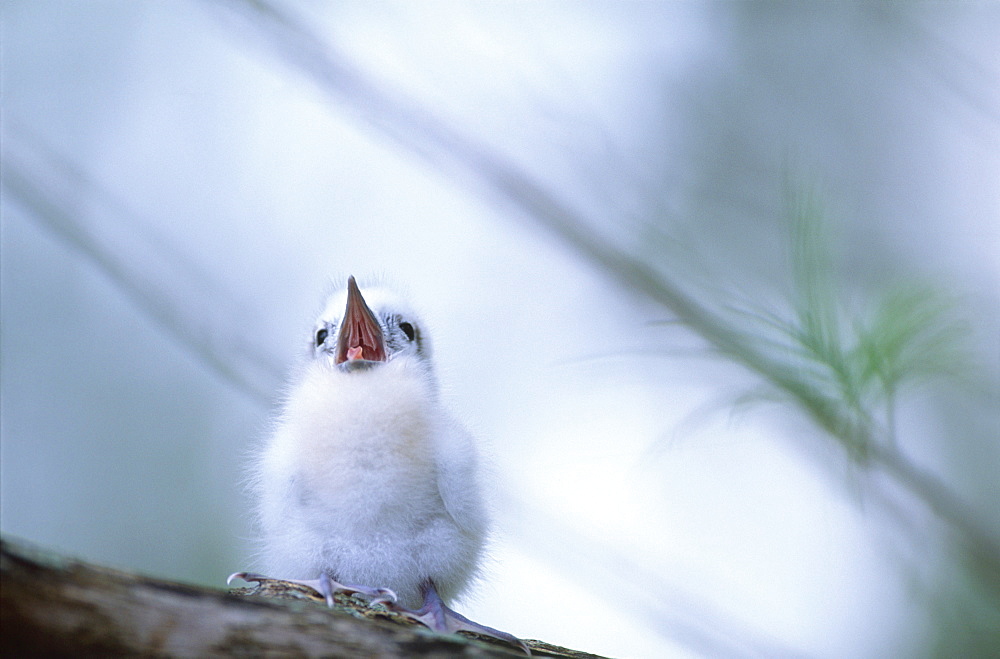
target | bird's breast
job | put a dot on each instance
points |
(370, 432)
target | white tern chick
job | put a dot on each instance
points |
(367, 485)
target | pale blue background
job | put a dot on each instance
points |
(632, 507)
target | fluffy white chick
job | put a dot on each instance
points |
(367, 484)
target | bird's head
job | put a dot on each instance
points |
(358, 332)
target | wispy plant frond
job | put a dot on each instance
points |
(836, 404)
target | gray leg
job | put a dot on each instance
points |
(436, 615)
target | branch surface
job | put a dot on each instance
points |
(51, 605)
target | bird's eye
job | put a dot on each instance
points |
(408, 330)
(321, 336)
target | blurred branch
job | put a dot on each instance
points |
(50, 190)
(54, 606)
(419, 130)
(183, 301)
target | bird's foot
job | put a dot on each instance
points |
(436, 615)
(325, 586)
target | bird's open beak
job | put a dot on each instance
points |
(360, 334)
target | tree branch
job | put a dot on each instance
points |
(55, 606)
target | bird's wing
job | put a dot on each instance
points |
(459, 481)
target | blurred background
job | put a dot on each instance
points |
(715, 283)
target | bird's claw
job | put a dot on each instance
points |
(245, 576)
(386, 596)
(325, 586)
(435, 615)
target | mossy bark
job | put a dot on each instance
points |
(52, 605)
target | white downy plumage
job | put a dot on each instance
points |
(367, 480)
